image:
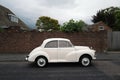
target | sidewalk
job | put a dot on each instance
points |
(12, 57)
(21, 56)
(108, 56)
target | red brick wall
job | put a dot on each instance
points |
(18, 42)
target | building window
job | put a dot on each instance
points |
(101, 27)
(13, 18)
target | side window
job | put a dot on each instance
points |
(52, 44)
(64, 44)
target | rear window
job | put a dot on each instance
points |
(52, 44)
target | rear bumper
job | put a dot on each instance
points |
(26, 58)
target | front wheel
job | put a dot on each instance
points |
(41, 62)
(85, 61)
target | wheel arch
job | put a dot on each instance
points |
(39, 54)
(42, 57)
(83, 55)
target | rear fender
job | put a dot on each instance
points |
(33, 56)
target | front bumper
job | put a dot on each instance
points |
(94, 54)
(94, 57)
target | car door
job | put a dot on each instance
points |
(64, 51)
(51, 48)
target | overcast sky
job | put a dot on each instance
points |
(62, 10)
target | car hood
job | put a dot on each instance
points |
(81, 47)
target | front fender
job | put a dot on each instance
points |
(82, 52)
(33, 55)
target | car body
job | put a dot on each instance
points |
(54, 50)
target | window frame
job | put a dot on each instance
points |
(101, 28)
(67, 44)
(13, 18)
(51, 47)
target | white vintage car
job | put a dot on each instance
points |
(56, 50)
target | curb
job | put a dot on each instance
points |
(13, 61)
(113, 52)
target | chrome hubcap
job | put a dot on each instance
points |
(85, 61)
(41, 62)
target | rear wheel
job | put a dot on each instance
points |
(85, 61)
(41, 62)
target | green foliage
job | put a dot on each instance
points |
(72, 26)
(110, 16)
(47, 23)
(117, 22)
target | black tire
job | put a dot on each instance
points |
(41, 62)
(85, 61)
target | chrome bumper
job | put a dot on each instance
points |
(94, 57)
(26, 58)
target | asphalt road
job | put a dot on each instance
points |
(99, 70)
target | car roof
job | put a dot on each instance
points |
(51, 39)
